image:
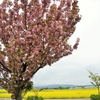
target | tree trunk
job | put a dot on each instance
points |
(18, 94)
(98, 90)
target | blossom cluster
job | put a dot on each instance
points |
(34, 33)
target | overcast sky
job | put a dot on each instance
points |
(73, 69)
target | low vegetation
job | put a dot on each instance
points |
(95, 97)
(51, 93)
(34, 98)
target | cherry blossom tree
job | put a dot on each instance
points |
(33, 34)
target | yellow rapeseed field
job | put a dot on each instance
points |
(75, 93)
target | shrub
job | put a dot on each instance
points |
(40, 98)
(95, 97)
(34, 98)
(30, 97)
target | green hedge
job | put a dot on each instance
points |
(34, 98)
(95, 97)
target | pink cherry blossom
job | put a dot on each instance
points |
(33, 34)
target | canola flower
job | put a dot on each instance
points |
(58, 94)
(81, 93)
(3, 91)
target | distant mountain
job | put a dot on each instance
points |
(63, 85)
(54, 86)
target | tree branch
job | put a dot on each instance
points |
(5, 68)
(24, 65)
